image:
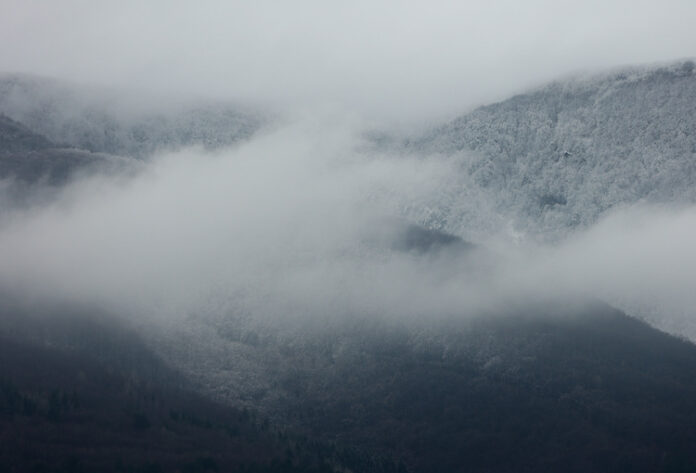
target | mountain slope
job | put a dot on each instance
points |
(120, 124)
(15, 137)
(28, 158)
(541, 388)
(557, 158)
(81, 392)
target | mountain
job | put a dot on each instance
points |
(541, 388)
(526, 385)
(15, 137)
(123, 124)
(557, 158)
(79, 391)
(31, 158)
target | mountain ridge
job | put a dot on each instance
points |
(120, 123)
(559, 157)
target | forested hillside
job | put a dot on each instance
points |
(539, 388)
(28, 158)
(318, 307)
(557, 158)
(118, 123)
(80, 392)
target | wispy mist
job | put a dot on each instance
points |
(293, 210)
(302, 221)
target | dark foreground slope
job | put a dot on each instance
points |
(543, 389)
(596, 391)
(80, 393)
(540, 387)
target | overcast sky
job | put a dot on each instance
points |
(394, 59)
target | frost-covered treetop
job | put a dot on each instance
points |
(557, 158)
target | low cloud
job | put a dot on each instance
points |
(302, 221)
(293, 210)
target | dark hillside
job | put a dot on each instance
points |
(542, 389)
(79, 393)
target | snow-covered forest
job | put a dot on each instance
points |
(126, 124)
(554, 160)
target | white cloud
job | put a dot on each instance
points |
(299, 221)
(399, 60)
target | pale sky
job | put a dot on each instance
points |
(401, 60)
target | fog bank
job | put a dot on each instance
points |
(301, 221)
